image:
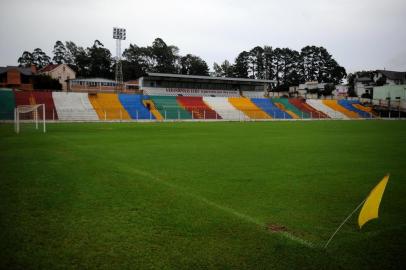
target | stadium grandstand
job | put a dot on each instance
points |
(164, 84)
(179, 97)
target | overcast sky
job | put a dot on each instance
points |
(360, 34)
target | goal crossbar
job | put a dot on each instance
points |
(24, 109)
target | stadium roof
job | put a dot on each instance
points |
(150, 74)
(92, 80)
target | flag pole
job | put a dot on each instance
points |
(342, 223)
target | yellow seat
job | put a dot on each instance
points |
(248, 108)
(332, 103)
(108, 106)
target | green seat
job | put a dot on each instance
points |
(289, 106)
(169, 106)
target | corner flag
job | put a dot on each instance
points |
(371, 206)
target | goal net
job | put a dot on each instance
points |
(29, 114)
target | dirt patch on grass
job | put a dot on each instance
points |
(276, 228)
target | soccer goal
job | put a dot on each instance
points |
(29, 114)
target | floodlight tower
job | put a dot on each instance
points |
(119, 34)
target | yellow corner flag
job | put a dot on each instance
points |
(371, 206)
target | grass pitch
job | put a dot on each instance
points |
(201, 195)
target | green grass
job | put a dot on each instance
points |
(200, 195)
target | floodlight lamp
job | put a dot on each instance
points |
(119, 33)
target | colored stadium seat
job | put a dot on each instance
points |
(169, 107)
(108, 106)
(249, 108)
(332, 103)
(282, 107)
(74, 107)
(304, 107)
(7, 104)
(320, 106)
(291, 108)
(198, 108)
(135, 106)
(46, 98)
(349, 105)
(150, 104)
(361, 107)
(266, 105)
(224, 108)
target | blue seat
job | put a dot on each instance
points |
(270, 108)
(348, 104)
(134, 106)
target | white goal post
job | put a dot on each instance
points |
(28, 114)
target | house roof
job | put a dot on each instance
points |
(49, 67)
(23, 70)
(393, 75)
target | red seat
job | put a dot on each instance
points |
(303, 106)
(46, 98)
(198, 108)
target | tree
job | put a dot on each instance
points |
(268, 57)
(60, 53)
(317, 64)
(37, 57)
(277, 66)
(71, 53)
(40, 59)
(26, 59)
(328, 89)
(193, 65)
(351, 88)
(381, 81)
(77, 58)
(291, 70)
(256, 63)
(164, 56)
(100, 61)
(226, 69)
(138, 61)
(241, 65)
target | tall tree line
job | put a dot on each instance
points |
(97, 61)
(286, 66)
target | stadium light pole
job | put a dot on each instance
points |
(119, 34)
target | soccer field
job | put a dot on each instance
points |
(230, 195)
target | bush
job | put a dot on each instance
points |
(366, 95)
(46, 82)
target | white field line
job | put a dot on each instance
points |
(219, 206)
(211, 203)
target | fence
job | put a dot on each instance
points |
(180, 115)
